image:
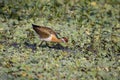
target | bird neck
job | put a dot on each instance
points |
(55, 39)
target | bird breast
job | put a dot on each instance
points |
(47, 39)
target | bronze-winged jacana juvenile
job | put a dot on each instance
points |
(47, 34)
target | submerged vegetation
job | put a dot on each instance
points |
(93, 50)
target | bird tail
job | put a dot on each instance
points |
(35, 25)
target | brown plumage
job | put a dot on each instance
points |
(47, 34)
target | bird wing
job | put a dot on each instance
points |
(44, 32)
(41, 32)
(48, 31)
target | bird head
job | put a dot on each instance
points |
(64, 39)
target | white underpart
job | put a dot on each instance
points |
(63, 40)
(47, 39)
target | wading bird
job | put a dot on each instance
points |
(47, 34)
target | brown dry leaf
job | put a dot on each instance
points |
(39, 76)
(87, 31)
(93, 3)
(23, 73)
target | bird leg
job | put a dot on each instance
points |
(41, 43)
(47, 44)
